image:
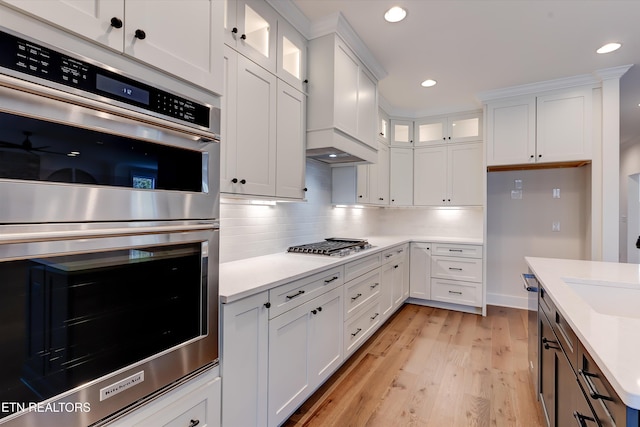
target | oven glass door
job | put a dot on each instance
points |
(67, 320)
(38, 150)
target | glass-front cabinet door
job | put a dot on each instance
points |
(402, 133)
(431, 131)
(250, 28)
(465, 128)
(292, 56)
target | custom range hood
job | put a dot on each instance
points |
(334, 147)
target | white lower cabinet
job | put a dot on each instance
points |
(196, 402)
(420, 274)
(447, 273)
(361, 326)
(305, 347)
(244, 365)
(395, 279)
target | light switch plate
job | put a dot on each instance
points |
(556, 193)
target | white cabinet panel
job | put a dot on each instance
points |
(244, 364)
(466, 175)
(367, 108)
(401, 176)
(420, 274)
(430, 176)
(511, 132)
(290, 147)
(346, 90)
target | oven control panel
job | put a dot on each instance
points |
(30, 58)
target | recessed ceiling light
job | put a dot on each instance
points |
(428, 83)
(609, 47)
(332, 155)
(395, 14)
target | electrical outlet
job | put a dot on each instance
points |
(556, 193)
(555, 226)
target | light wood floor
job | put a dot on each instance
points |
(433, 367)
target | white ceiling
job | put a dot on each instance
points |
(474, 46)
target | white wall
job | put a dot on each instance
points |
(522, 227)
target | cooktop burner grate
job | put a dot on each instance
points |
(334, 246)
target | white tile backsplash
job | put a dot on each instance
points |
(254, 230)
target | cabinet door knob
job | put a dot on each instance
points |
(267, 304)
(243, 37)
(539, 155)
(140, 34)
(243, 181)
(305, 189)
(314, 311)
(305, 81)
(234, 30)
(116, 22)
(194, 423)
(531, 156)
(319, 308)
(234, 180)
(380, 198)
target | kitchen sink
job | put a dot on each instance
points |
(610, 298)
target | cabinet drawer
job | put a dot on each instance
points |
(360, 327)
(606, 404)
(467, 269)
(568, 339)
(201, 405)
(360, 291)
(360, 266)
(457, 292)
(448, 249)
(291, 295)
(393, 254)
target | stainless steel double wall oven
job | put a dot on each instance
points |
(109, 217)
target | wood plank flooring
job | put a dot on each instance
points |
(433, 367)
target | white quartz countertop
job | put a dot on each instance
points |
(601, 302)
(243, 278)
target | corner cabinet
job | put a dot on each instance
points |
(548, 128)
(448, 175)
(447, 275)
(192, 50)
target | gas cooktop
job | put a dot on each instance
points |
(334, 246)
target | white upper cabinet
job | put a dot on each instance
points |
(448, 175)
(401, 176)
(511, 131)
(292, 56)
(290, 148)
(191, 49)
(250, 26)
(564, 126)
(550, 127)
(248, 154)
(452, 129)
(401, 133)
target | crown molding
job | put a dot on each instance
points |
(612, 73)
(337, 23)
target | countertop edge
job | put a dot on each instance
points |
(381, 243)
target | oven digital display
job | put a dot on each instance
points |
(121, 89)
(29, 58)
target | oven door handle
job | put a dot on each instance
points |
(23, 235)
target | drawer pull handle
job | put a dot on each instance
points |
(400, 251)
(455, 268)
(396, 266)
(376, 315)
(194, 423)
(356, 332)
(593, 392)
(356, 297)
(388, 255)
(331, 280)
(374, 285)
(547, 344)
(455, 292)
(455, 250)
(582, 419)
(295, 295)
